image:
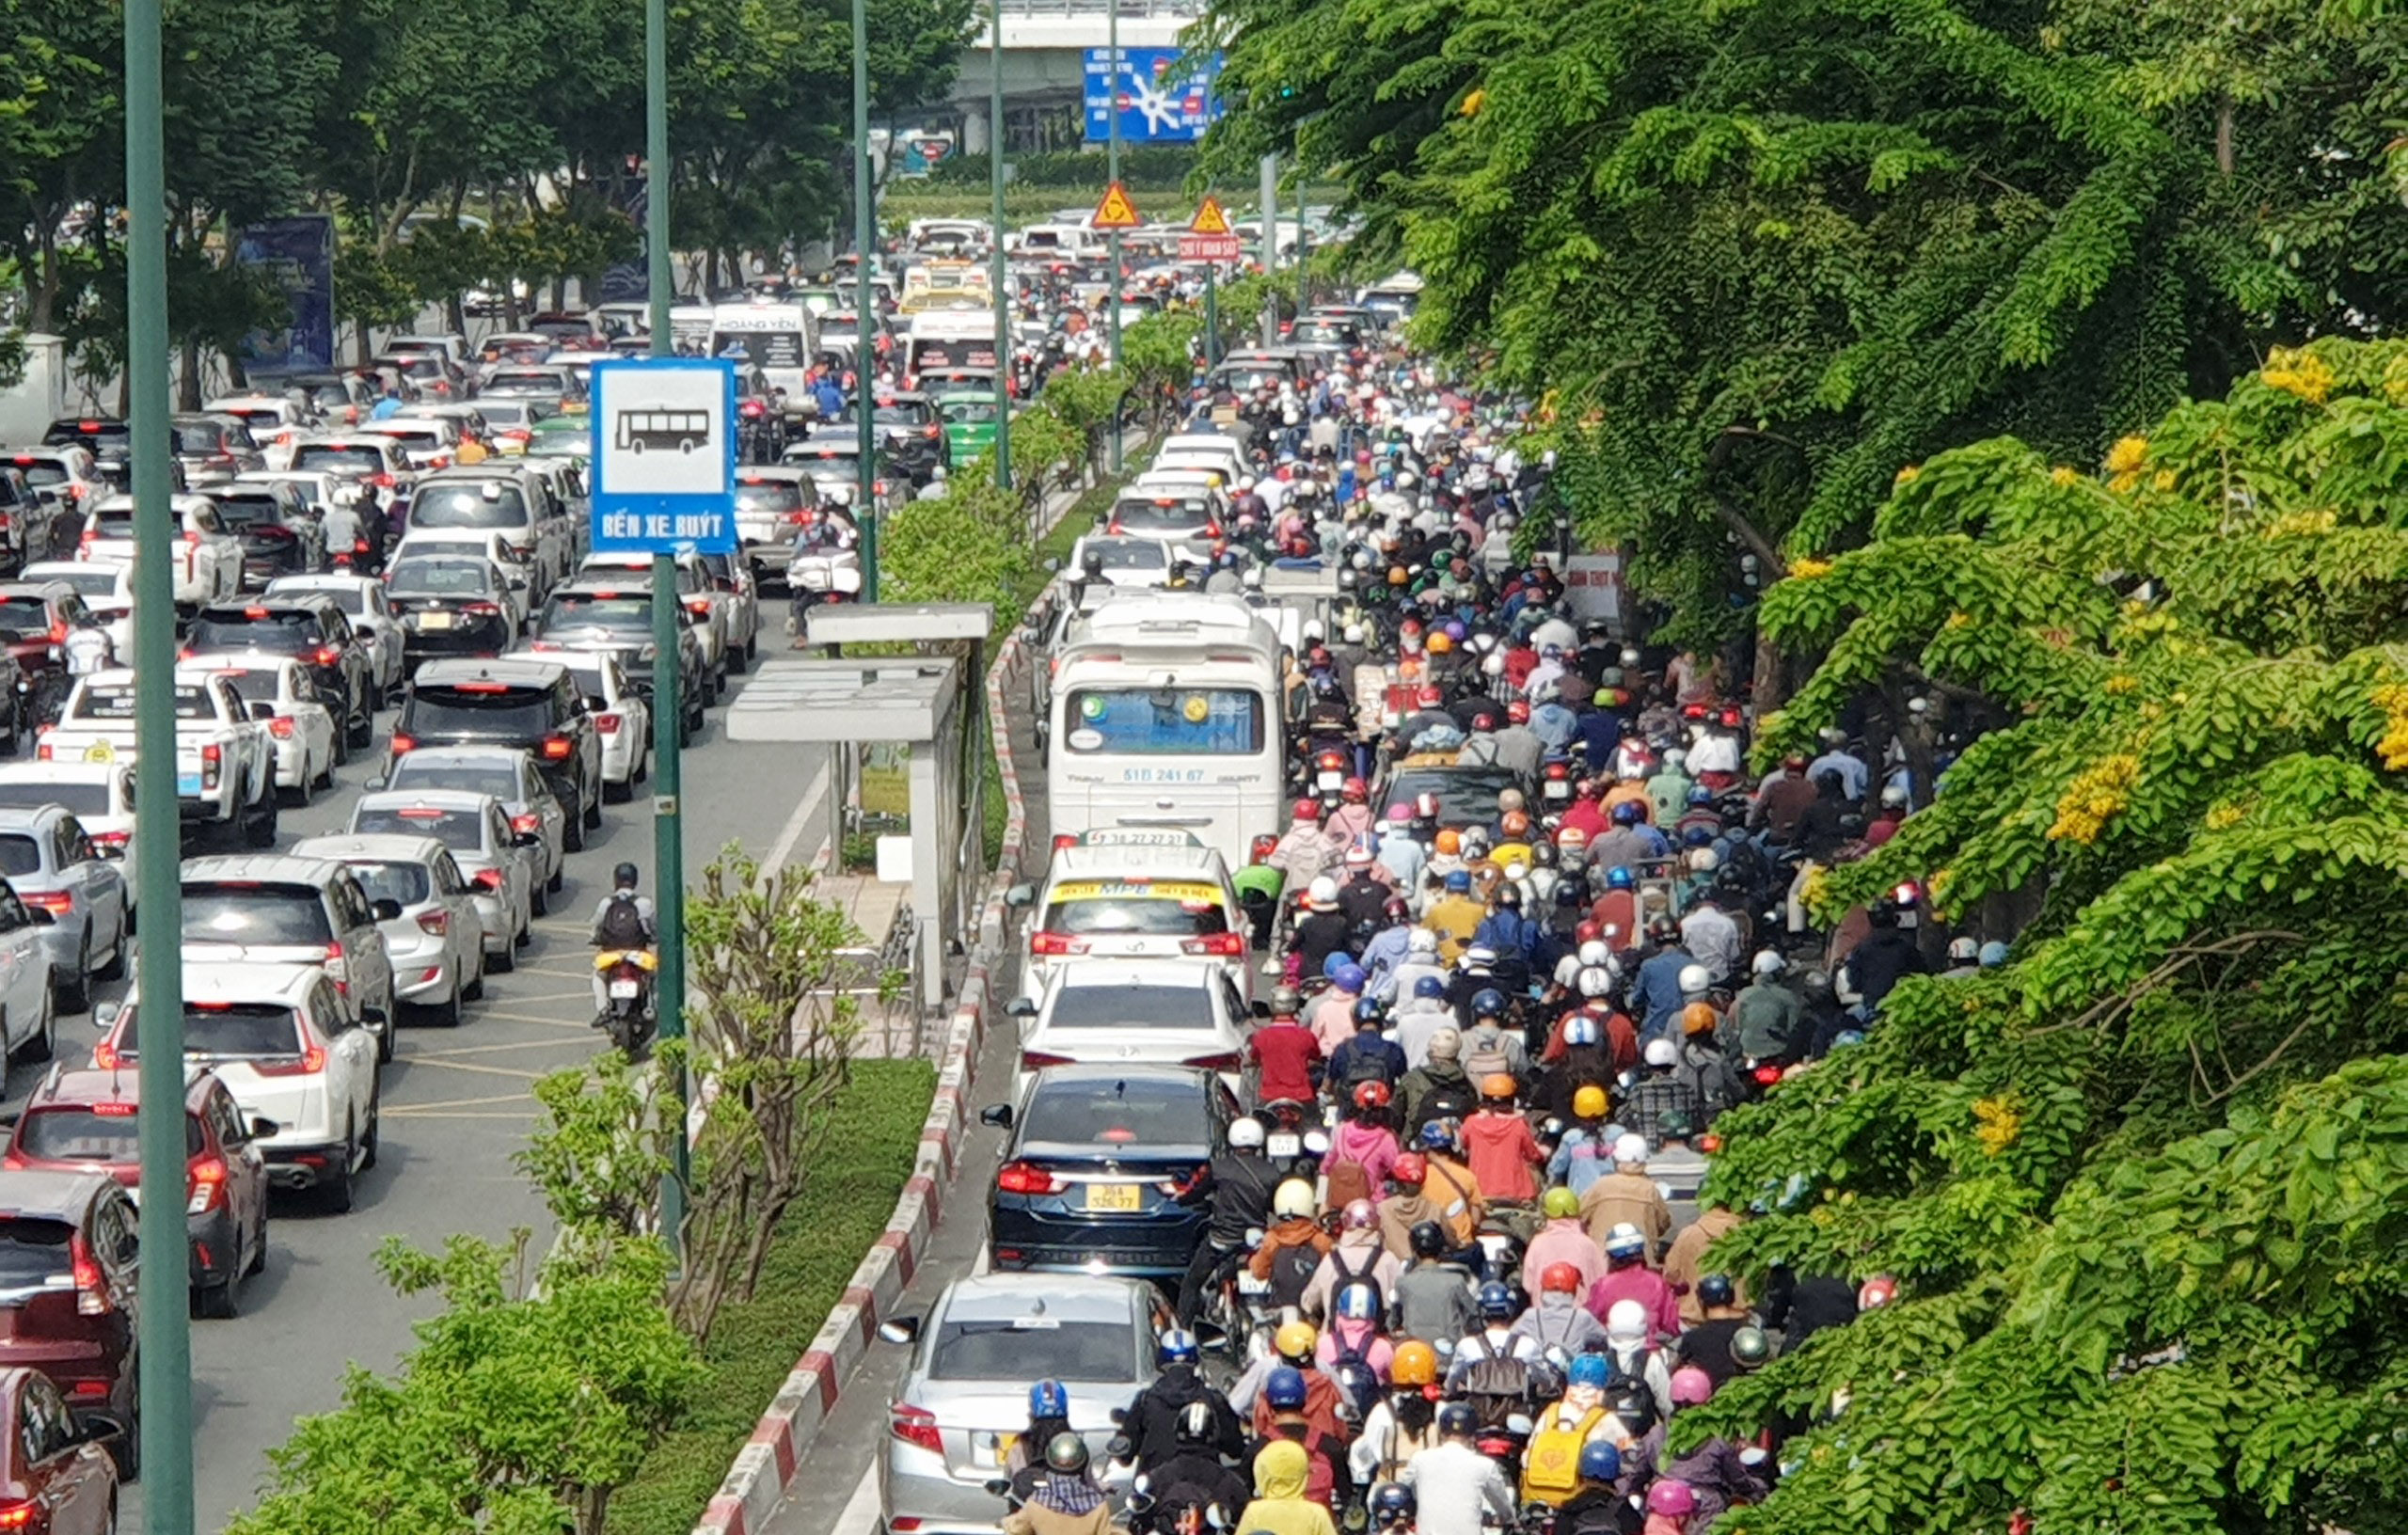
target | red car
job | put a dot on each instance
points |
(84, 1121)
(67, 1294)
(57, 1476)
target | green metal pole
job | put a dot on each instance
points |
(1212, 313)
(1002, 273)
(1303, 283)
(1112, 242)
(163, 1328)
(1269, 174)
(668, 824)
(864, 246)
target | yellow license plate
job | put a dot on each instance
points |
(100, 752)
(1120, 1197)
(434, 621)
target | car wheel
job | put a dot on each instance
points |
(339, 749)
(127, 1451)
(363, 730)
(327, 774)
(476, 988)
(44, 1039)
(258, 1248)
(574, 839)
(644, 765)
(502, 964)
(619, 794)
(594, 806)
(115, 969)
(260, 830)
(559, 877)
(334, 1192)
(538, 903)
(376, 1135)
(216, 1302)
(386, 1032)
(74, 990)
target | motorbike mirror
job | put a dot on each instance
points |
(528, 839)
(997, 1115)
(1260, 1008)
(1253, 1237)
(106, 1014)
(1519, 1425)
(263, 1128)
(1119, 1447)
(1118, 1414)
(1142, 1487)
(996, 1486)
(1020, 1007)
(1216, 1516)
(1316, 1142)
(1022, 894)
(901, 1330)
(260, 708)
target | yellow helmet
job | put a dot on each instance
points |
(1295, 1339)
(1294, 1199)
(1589, 1102)
(1561, 1201)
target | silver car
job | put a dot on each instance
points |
(50, 863)
(510, 776)
(437, 942)
(966, 1391)
(500, 865)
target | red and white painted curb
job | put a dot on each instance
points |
(768, 1464)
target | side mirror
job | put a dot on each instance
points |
(900, 1329)
(260, 709)
(527, 839)
(106, 1016)
(1019, 896)
(378, 783)
(996, 1486)
(1260, 1008)
(387, 909)
(999, 1116)
(261, 1128)
(1118, 1414)
(41, 916)
(1020, 1007)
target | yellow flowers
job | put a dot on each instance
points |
(2298, 373)
(2161, 481)
(2121, 683)
(1997, 1123)
(2305, 523)
(2395, 381)
(2124, 461)
(2224, 816)
(1959, 619)
(1908, 475)
(1809, 568)
(2392, 699)
(2094, 799)
(1937, 887)
(2062, 476)
(1473, 103)
(1815, 888)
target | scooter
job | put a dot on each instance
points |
(627, 992)
(827, 574)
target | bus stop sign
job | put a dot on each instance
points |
(664, 455)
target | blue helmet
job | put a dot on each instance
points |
(1458, 882)
(1588, 1369)
(1368, 1011)
(1580, 1030)
(1600, 1461)
(1284, 1388)
(1358, 1301)
(1626, 812)
(1497, 1300)
(1698, 837)
(1047, 1399)
(1330, 966)
(1178, 1347)
(1392, 1503)
(1435, 1137)
(1619, 877)
(1348, 978)
(1488, 1002)
(1701, 795)
(1430, 987)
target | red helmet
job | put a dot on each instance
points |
(1518, 711)
(1307, 809)
(1587, 931)
(1409, 1171)
(1878, 1291)
(1693, 711)
(1560, 1279)
(1354, 791)
(1372, 1094)
(1429, 697)
(1425, 806)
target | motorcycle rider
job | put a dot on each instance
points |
(1402, 1424)
(1066, 1501)
(1293, 1245)
(1705, 1343)
(1327, 1480)
(347, 534)
(1555, 1318)
(1282, 1470)
(1433, 1297)
(1684, 1263)
(1563, 1239)
(1049, 1413)
(1627, 1196)
(1457, 1490)
(1239, 1191)
(1439, 1088)
(1627, 1277)
(1155, 1419)
(623, 921)
(1767, 1015)
(1286, 1056)
(1195, 1475)
(1497, 1143)
(1600, 1507)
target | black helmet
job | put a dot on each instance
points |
(1195, 1425)
(1750, 1348)
(1392, 1504)
(625, 877)
(1817, 983)
(1066, 1454)
(1427, 1239)
(1716, 1289)
(1456, 1420)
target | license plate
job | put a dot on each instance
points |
(1330, 781)
(623, 989)
(1249, 1284)
(986, 1450)
(1283, 1144)
(100, 752)
(1558, 790)
(188, 784)
(434, 621)
(1120, 1197)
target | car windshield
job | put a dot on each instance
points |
(104, 439)
(20, 855)
(33, 1252)
(596, 609)
(1022, 1348)
(489, 503)
(1126, 554)
(440, 579)
(104, 1134)
(1117, 1112)
(966, 410)
(259, 684)
(514, 412)
(1466, 796)
(325, 458)
(1131, 1008)
(89, 580)
(404, 883)
(496, 778)
(774, 496)
(241, 511)
(461, 830)
(82, 798)
(26, 615)
(229, 1030)
(1208, 722)
(248, 912)
(40, 472)
(114, 703)
(1135, 914)
(491, 709)
(284, 630)
(198, 436)
(1161, 516)
(901, 413)
(348, 598)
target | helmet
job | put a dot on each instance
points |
(1963, 950)
(1497, 1300)
(1993, 955)
(1359, 1215)
(1515, 823)
(1559, 1203)
(1440, 643)
(1518, 711)
(1195, 1424)
(1322, 895)
(1066, 1454)
(1178, 1347)
(1594, 981)
(1451, 842)
(1768, 962)
(1047, 1399)
(1372, 1094)
(1699, 1018)
(1435, 1137)
(1415, 1363)
(1671, 1498)
(1589, 1371)
(1294, 1198)
(1456, 1420)
(1391, 1504)
(1893, 797)
(1661, 1052)
(1348, 978)
(1421, 941)
(1877, 1292)
(1599, 1460)
(1498, 1085)
(1588, 1102)
(1695, 982)
(1356, 790)
(1458, 882)
(1627, 1322)
(1429, 1237)
(1245, 1135)
(1339, 957)
(1286, 1000)
(1619, 877)
(1690, 1386)
(1306, 809)
(1626, 1244)
(1750, 1348)
(1631, 1147)
(1358, 1301)
(625, 877)
(1716, 1289)
(1285, 1389)
(1295, 1339)
(1410, 1169)
(1626, 812)
(1560, 1279)
(1488, 1002)
(1446, 1044)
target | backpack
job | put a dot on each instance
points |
(1551, 1468)
(1367, 1063)
(1446, 1102)
(1344, 1183)
(1496, 1388)
(1358, 1383)
(1485, 1060)
(621, 924)
(1291, 1270)
(1628, 1394)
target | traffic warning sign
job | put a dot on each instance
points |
(1115, 212)
(1209, 219)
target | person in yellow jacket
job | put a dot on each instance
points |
(1280, 1505)
(1455, 915)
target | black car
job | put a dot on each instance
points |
(522, 701)
(279, 533)
(1104, 1167)
(308, 627)
(214, 449)
(596, 615)
(913, 435)
(111, 442)
(342, 399)
(451, 605)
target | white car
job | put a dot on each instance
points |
(621, 716)
(362, 600)
(468, 540)
(277, 690)
(292, 1049)
(274, 423)
(507, 773)
(499, 863)
(28, 1016)
(429, 442)
(99, 793)
(207, 565)
(1143, 1012)
(107, 591)
(695, 591)
(437, 942)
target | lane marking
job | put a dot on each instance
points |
(804, 811)
(860, 1516)
(580, 1025)
(485, 1101)
(482, 1071)
(450, 1052)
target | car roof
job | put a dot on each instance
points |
(384, 847)
(1065, 1296)
(246, 980)
(431, 798)
(1095, 973)
(281, 867)
(1088, 862)
(26, 818)
(60, 772)
(449, 672)
(59, 1195)
(322, 580)
(237, 660)
(515, 755)
(54, 587)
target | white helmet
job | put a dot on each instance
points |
(1594, 952)
(1768, 962)
(1421, 941)
(1492, 664)
(1323, 890)
(1894, 796)
(1658, 1053)
(1630, 1148)
(1294, 1198)
(1245, 1133)
(1594, 980)
(1625, 1323)
(1695, 982)
(1354, 634)
(1703, 861)
(1674, 756)
(1313, 629)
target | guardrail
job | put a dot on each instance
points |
(1184, 9)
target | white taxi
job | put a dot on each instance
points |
(1127, 892)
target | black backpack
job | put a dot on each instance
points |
(1496, 1388)
(621, 924)
(1628, 1396)
(1291, 1270)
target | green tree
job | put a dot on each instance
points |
(2140, 1183)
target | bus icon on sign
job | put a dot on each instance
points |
(644, 431)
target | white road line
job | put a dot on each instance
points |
(791, 834)
(860, 1510)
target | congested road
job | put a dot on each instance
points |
(456, 1106)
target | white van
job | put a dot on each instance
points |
(780, 337)
(1203, 450)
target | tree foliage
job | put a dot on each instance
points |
(2143, 1183)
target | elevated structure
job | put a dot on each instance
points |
(1045, 43)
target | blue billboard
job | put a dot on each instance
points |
(298, 255)
(1159, 101)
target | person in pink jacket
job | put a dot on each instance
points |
(1332, 1017)
(1564, 1240)
(1629, 1278)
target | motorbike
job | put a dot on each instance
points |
(628, 990)
(825, 574)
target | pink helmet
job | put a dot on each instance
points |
(1691, 1386)
(1359, 1215)
(1672, 1499)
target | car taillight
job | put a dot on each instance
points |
(206, 1182)
(382, 481)
(437, 922)
(1055, 946)
(1227, 1060)
(18, 1515)
(1180, 1188)
(698, 605)
(91, 1291)
(607, 724)
(112, 843)
(1025, 1178)
(326, 654)
(915, 1426)
(334, 963)
(402, 743)
(1037, 1060)
(933, 433)
(281, 727)
(58, 633)
(106, 1056)
(212, 762)
(58, 903)
(486, 609)
(557, 748)
(1221, 945)
(490, 879)
(1767, 1075)
(530, 822)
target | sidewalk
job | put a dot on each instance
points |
(889, 1030)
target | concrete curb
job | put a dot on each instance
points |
(768, 1464)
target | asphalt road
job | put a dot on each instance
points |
(456, 1106)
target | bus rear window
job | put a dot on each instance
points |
(1166, 722)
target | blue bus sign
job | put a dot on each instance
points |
(664, 455)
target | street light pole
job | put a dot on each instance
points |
(1269, 174)
(162, 1330)
(1112, 240)
(668, 708)
(864, 246)
(1000, 279)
